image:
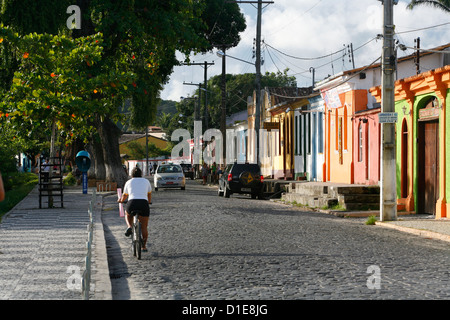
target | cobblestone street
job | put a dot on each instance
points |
(205, 247)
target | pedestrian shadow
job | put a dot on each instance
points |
(118, 269)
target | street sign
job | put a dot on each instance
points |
(387, 117)
(271, 126)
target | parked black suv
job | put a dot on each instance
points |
(243, 178)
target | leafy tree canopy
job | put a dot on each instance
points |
(440, 4)
(54, 81)
(239, 87)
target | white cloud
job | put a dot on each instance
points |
(305, 28)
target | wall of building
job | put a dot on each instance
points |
(412, 95)
(366, 147)
(339, 136)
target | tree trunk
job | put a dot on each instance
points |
(97, 170)
(109, 135)
(71, 152)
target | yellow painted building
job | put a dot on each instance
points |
(277, 118)
(155, 137)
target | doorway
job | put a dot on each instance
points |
(428, 161)
(404, 161)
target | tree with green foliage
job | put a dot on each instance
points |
(239, 87)
(136, 57)
(224, 21)
(439, 4)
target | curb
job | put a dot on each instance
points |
(102, 281)
(419, 232)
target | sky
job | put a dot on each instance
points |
(305, 34)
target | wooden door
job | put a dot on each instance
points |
(404, 161)
(428, 166)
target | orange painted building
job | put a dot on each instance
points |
(339, 163)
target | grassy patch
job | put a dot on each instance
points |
(18, 186)
(371, 220)
(335, 207)
(296, 204)
(70, 180)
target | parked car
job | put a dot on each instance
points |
(188, 170)
(242, 178)
(169, 176)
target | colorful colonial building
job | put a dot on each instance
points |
(352, 131)
(309, 141)
(277, 140)
(423, 141)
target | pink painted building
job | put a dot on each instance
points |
(366, 146)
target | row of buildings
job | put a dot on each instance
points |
(332, 133)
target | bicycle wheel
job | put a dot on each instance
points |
(138, 241)
(133, 241)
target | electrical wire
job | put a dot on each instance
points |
(425, 50)
(299, 58)
(339, 57)
(335, 86)
(425, 28)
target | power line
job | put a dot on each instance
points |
(403, 47)
(299, 58)
(425, 28)
(291, 66)
(339, 57)
(335, 86)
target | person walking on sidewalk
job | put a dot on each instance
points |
(214, 173)
(204, 173)
(138, 191)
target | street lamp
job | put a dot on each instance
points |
(221, 54)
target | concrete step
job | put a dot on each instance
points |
(362, 206)
(310, 201)
(354, 190)
(311, 190)
(359, 198)
(321, 195)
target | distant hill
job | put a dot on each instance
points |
(166, 106)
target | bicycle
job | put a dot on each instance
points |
(136, 235)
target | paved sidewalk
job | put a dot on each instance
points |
(422, 225)
(43, 251)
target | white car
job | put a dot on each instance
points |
(169, 176)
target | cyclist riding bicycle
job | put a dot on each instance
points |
(138, 191)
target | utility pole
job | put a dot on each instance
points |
(258, 71)
(417, 57)
(223, 114)
(388, 192)
(196, 108)
(352, 57)
(258, 79)
(205, 65)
